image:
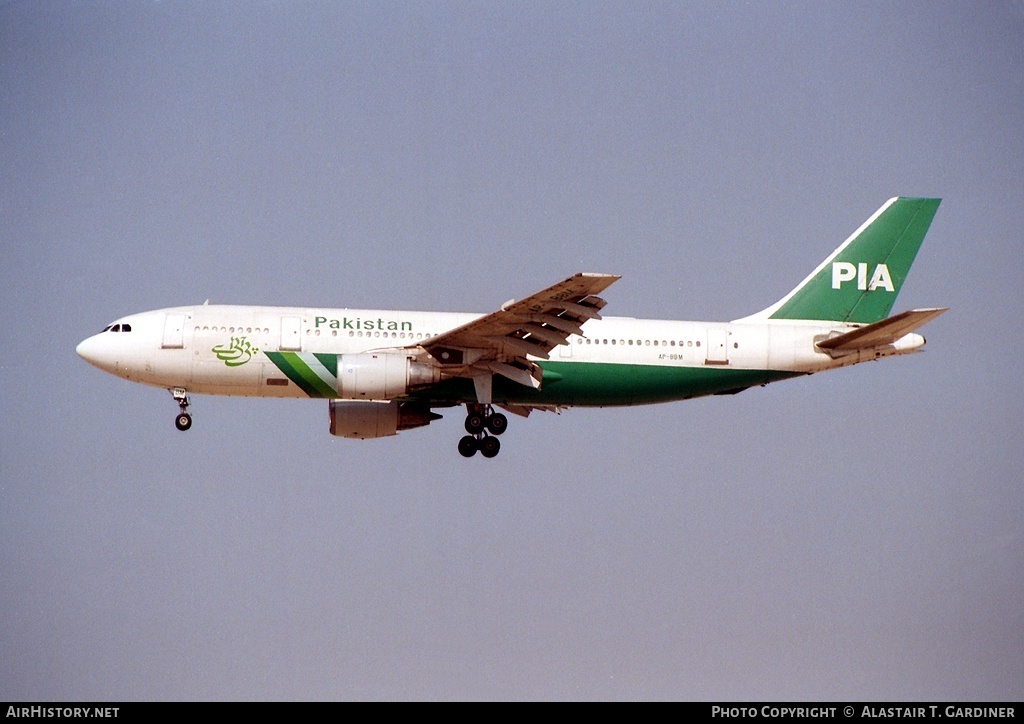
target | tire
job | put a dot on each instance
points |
(474, 423)
(497, 423)
(183, 421)
(490, 446)
(467, 446)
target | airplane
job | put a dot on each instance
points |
(383, 372)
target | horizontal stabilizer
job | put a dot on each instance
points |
(881, 333)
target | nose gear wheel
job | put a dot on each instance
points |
(184, 420)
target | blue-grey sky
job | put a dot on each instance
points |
(853, 535)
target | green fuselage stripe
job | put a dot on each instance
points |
(602, 384)
(296, 369)
(329, 361)
(592, 384)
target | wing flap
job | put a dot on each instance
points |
(525, 410)
(563, 323)
(527, 378)
(520, 345)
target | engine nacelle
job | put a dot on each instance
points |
(365, 420)
(382, 375)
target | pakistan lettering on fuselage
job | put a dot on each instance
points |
(379, 324)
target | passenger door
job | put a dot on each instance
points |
(291, 334)
(174, 332)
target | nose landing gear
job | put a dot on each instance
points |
(483, 425)
(184, 420)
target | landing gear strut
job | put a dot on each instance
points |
(483, 425)
(184, 420)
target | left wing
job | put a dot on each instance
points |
(504, 341)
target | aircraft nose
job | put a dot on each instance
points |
(95, 352)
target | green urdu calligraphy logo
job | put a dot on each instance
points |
(235, 354)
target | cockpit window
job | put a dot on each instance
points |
(126, 328)
(118, 328)
(107, 328)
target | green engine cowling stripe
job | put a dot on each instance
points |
(298, 371)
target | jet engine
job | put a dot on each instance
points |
(382, 375)
(365, 420)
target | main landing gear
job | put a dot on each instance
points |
(184, 420)
(483, 425)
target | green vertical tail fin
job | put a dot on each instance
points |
(859, 282)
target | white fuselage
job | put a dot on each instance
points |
(223, 350)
